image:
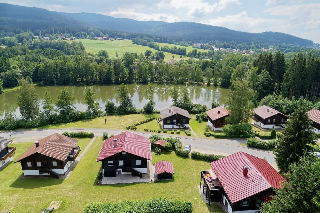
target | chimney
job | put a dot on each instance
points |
(169, 110)
(37, 143)
(219, 112)
(267, 110)
(245, 171)
(115, 142)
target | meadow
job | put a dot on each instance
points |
(18, 194)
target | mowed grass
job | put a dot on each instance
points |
(113, 122)
(120, 47)
(198, 128)
(31, 195)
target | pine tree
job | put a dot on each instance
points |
(297, 139)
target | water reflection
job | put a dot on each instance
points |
(198, 94)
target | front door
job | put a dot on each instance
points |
(127, 164)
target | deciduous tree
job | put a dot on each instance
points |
(28, 100)
(65, 103)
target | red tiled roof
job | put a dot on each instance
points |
(216, 113)
(314, 115)
(266, 112)
(163, 166)
(55, 146)
(126, 142)
(174, 110)
(261, 175)
(161, 142)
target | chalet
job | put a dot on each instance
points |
(314, 116)
(160, 143)
(35, 37)
(175, 118)
(120, 39)
(126, 153)
(52, 155)
(217, 118)
(5, 152)
(163, 170)
(267, 118)
(243, 182)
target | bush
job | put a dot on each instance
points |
(178, 131)
(182, 153)
(168, 147)
(207, 134)
(105, 135)
(165, 131)
(219, 135)
(273, 134)
(172, 132)
(110, 108)
(79, 134)
(267, 145)
(205, 157)
(201, 117)
(159, 205)
(238, 131)
(188, 133)
(198, 108)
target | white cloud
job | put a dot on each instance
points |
(131, 13)
(197, 7)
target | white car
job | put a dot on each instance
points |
(187, 147)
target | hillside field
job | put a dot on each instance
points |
(120, 47)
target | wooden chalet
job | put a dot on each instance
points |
(5, 152)
(217, 118)
(126, 153)
(163, 170)
(52, 155)
(267, 118)
(314, 116)
(242, 182)
(175, 118)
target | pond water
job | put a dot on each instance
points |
(198, 94)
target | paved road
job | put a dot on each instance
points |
(217, 146)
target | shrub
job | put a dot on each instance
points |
(219, 135)
(164, 131)
(159, 131)
(188, 133)
(172, 132)
(238, 131)
(178, 132)
(110, 108)
(273, 134)
(105, 135)
(182, 153)
(205, 157)
(256, 143)
(207, 134)
(78, 134)
(198, 108)
(201, 117)
(168, 147)
(160, 205)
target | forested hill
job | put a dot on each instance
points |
(14, 18)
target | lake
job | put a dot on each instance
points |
(198, 94)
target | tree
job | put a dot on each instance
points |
(240, 102)
(1, 88)
(93, 107)
(175, 97)
(110, 108)
(297, 139)
(27, 100)
(47, 106)
(126, 106)
(214, 104)
(301, 192)
(149, 107)
(65, 103)
(148, 53)
(185, 101)
(264, 84)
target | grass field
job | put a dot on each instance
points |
(31, 195)
(120, 47)
(198, 128)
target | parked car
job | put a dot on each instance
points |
(187, 147)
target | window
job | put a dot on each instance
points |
(282, 120)
(245, 202)
(258, 201)
(120, 162)
(184, 121)
(138, 162)
(174, 121)
(269, 120)
(274, 121)
(168, 121)
(110, 162)
(54, 163)
(38, 164)
(29, 164)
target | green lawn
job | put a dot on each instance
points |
(32, 195)
(120, 47)
(113, 122)
(152, 125)
(198, 128)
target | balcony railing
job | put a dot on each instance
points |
(74, 153)
(11, 152)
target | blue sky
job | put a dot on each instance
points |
(295, 17)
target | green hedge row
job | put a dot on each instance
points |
(238, 131)
(182, 153)
(273, 135)
(216, 135)
(205, 157)
(134, 126)
(155, 205)
(79, 134)
(256, 143)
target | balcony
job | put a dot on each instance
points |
(11, 152)
(74, 153)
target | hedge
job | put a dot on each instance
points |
(134, 126)
(256, 143)
(188, 133)
(205, 157)
(238, 131)
(105, 135)
(79, 134)
(182, 153)
(155, 205)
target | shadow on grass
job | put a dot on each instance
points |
(32, 183)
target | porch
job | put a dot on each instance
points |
(211, 187)
(74, 153)
(131, 177)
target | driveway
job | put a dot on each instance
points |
(215, 146)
